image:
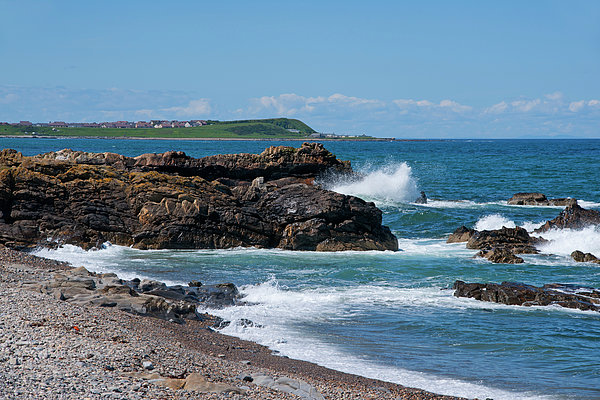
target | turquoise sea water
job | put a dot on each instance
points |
(392, 315)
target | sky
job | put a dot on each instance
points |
(405, 69)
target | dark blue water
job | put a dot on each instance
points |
(392, 315)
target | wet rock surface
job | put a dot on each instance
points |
(572, 217)
(171, 200)
(145, 297)
(580, 256)
(538, 199)
(515, 293)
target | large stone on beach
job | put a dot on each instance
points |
(171, 200)
(514, 293)
(572, 217)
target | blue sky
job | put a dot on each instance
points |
(412, 69)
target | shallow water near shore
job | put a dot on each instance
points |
(392, 315)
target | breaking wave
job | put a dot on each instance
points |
(392, 183)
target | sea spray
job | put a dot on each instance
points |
(493, 221)
(391, 183)
(565, 241)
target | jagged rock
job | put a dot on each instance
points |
(515, 239)
(538, 199)
(580, 256)
(462, 234)
(501, 256)
(573, 217)
(171, 200)
(514, 293)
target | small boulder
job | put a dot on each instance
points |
(501, 256)
(580, 256)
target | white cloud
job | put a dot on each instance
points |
(290, 104)
(575, 106)
(594, 103)
(498, 108)
(554, 96)
(525, 105)
(199, 107)
(454, 106)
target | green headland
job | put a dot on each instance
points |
(274, 128)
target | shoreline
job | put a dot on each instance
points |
(99, 346)
(221, 139)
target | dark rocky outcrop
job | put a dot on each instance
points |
(501, 245)
(573, 217)
(514, 293)
(171, 200)
(538, 199)
(580, 256)
(515, 239)
(144, 297)
(462, 234)
(501, 256)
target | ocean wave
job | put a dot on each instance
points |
(277, 311)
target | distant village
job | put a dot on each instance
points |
(115, 124)
(156, 124)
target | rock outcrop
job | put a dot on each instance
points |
(573, 217)
(498, 245)
(462, 234)
(514, 293)
(538, 199)
(516, 240)
(580, 256)
(171, 200)
(144, 297)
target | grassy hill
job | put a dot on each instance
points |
(276, 128)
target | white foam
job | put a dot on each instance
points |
(392, 183)
(588, 204)
(277, 311)
(104, 260)
(493, 221)
(565, 241)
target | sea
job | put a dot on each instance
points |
(392, 315)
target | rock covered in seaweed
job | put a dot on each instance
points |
(171, 200)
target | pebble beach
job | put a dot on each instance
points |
(53, 349)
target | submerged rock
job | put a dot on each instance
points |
(171, 200)
(538, 199)
(514, 293)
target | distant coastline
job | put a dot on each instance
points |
(258, 129)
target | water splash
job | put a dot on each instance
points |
(565, 241)
(391, 183)
(493, 221)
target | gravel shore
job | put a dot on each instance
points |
(52, 349)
